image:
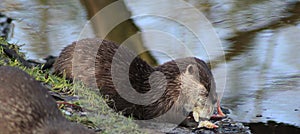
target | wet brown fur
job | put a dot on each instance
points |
(93, 65)
(27, 108)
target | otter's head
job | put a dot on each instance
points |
(196, 96)
(191, 86)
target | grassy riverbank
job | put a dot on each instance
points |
(97, 114)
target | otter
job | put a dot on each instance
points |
(27, 108)
(179, 86)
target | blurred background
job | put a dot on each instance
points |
(261, 40)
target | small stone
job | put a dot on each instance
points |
(296, 109)
(258, 115)
(67, 112)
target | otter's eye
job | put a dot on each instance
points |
(191, 69)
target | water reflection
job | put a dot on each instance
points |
(265, 80)
(45, 27)
(261, 51)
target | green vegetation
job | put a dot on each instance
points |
(99, 115)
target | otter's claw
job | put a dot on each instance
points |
(196, 113)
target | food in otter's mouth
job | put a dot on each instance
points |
(27, 108)
(207, 124)
(197, 115)
(179, 86)
(220, 113)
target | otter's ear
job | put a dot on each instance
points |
(191, 69)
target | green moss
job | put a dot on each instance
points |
(103, 115)
(99, 114)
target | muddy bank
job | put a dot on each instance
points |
(272, 127)
(228, 126)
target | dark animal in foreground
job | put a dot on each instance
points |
(27, 108)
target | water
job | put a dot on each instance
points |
(262, 55)
(260, 41)
(44, 27)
